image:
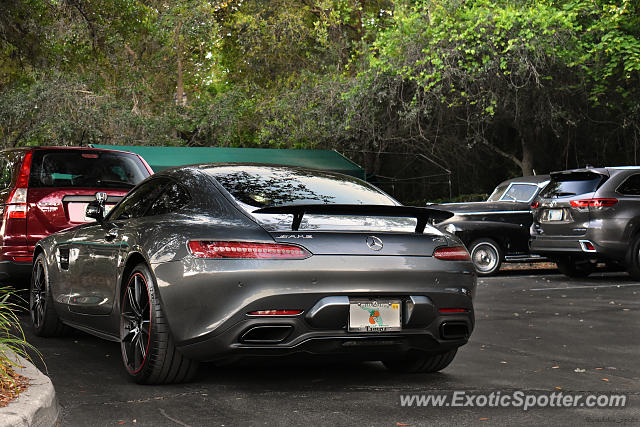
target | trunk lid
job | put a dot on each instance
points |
(362, 243)
(53, 209)
(361, 234)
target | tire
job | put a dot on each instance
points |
(44, 318)
(570, 268)
(422, 363)
(148, 350)
(486, 256)
(632, 262)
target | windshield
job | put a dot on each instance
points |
(572, 184)
(520, 193)
(263, 186)
(85, 168)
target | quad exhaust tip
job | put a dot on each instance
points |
(266, 334)
(454, 330)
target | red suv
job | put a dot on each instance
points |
(47, 189)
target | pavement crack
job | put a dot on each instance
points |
(164, 414)
(152, 399)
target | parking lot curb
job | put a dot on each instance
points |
(36, 406)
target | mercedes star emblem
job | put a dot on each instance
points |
(374, 243)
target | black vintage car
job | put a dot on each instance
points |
(496, 230)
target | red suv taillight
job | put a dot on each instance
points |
(596, 203)
(454, 253)
(250, 250)
(17, 201)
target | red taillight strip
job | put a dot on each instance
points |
(596, 203)
(453, 310)
(275, 313)
(453, 253)
(244, 250)
(25, 169)
(17, 201)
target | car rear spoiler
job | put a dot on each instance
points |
(585, 171)
(423, 215)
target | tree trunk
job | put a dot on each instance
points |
(526, 164)
(181, 99)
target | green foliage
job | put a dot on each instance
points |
(515, 84)
(12, 339)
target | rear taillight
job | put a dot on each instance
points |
(275, 313)
(454, 253)
(452, 310)
(595, 203)
(535, 205)
(17, 201)
(17, 204)
(209, 249)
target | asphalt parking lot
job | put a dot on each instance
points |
(536, 332)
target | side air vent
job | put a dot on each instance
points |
(63, 258)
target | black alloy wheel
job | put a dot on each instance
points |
(135, 323)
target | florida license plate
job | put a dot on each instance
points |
(368, 315)
(555, 215)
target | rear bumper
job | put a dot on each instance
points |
(334, 343)
(322, 330)
(558, 246)
(206, 303)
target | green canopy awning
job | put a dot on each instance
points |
(160, 158)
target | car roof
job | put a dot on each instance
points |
(65, 147)
(216, 165)
(532, 179)
(624, 168)
(607, 171)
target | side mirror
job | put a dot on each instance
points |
(95, 209)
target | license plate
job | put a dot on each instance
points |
(555, 215)
(374, 315)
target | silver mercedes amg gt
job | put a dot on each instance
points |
(224, 261)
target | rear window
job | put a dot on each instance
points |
(83, 168)
(572, 184)
(497, 193)
(263, 186)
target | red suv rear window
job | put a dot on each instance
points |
(82, 168)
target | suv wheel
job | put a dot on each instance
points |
(572, 268)
(486, 256)
(633, 258)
